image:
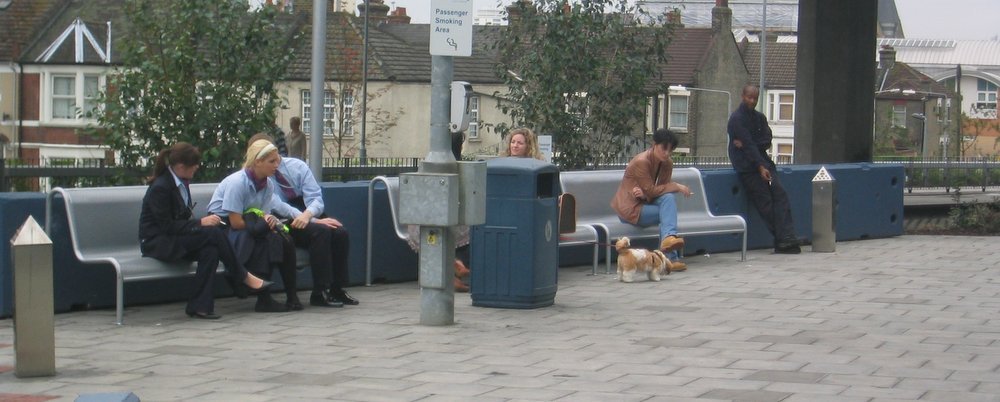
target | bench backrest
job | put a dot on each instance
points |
(594, 190)
(108, 217)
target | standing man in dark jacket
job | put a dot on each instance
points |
(749, 140)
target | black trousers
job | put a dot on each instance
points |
(208, 246)
(771, 202)
(328, 252)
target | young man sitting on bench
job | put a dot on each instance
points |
(645, 196)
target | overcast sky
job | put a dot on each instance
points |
(950, 19)
(923, 19)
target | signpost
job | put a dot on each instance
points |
(451, 28)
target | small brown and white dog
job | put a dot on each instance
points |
(631, 260)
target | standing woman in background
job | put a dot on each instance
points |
(169, 232)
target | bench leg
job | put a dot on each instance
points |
(743, 254)
(119, 298)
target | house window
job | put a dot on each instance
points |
(781, 106)
(474, 117)
(71, 91)
(986, 96)
(899, 116)
(347, 101)
(656, 113)
(784, 153)
(678, 112)
(329, 112)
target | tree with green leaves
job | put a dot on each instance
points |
(582, 72)
(196, 71)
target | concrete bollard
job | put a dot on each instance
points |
(34, 312)
(824, 229)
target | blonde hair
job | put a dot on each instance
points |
(258, 150)
(530, 142)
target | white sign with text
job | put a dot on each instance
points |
(451, 28)
(545, 147)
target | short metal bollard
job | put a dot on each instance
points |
(34, 321)
(824, 219)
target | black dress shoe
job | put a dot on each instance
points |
(203, 316)
(265, 304)
(263, 287)
(791, 247)
(323, 299)
(294, 305)
(341, 295)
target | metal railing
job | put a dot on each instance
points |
(980, 174)
(977, 173)
(42, 175)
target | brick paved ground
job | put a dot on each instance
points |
(906, 318)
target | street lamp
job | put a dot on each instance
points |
(729, 102)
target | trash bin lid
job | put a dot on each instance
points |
(520, 166)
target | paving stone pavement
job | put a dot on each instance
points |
(899, 319)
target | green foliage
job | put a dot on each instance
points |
(195, 71)
(580, 74)
(980, 218)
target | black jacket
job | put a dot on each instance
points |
(165, 216)
(749, 127)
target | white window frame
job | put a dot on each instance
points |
(661, 113)
(774, 104)
(78, 96)
(986, 96)
(899, 116)
(474, 117)
(329, 112)
(347, 102)
(674, 115)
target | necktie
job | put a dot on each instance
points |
(187, 192)
(286, 187)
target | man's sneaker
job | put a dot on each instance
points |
(790, 247)
(677, 266)
(671, 243)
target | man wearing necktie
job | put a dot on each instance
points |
(324, 237)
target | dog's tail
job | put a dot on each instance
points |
(662, 261)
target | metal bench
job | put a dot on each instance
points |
(103, 226)
(584, 235)
(595, 189)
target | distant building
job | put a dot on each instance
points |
(489, 16)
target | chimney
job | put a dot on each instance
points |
(886, 57)
(722, 17)
(398, 16)
(674, 18)
(379, 11)
(514, 10)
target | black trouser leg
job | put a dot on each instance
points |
(202, 300)
(287, 269)
(316, 238)
(771, 202)
(340, 248)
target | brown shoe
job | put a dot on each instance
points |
(677, 266)
(460, 270)
(671, 243)
(460, 286)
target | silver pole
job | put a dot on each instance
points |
(363, 153)
(763, 51)
(437, 305)
(316, 102)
